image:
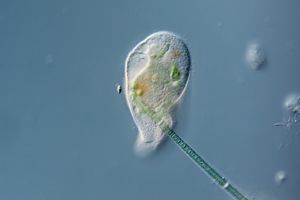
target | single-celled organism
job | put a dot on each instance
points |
(255, 56)
(157, 71)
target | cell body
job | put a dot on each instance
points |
(157, 71)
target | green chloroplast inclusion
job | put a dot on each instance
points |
(157, 71)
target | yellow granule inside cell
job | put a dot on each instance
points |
(175, 52)
(139, 92)
(154, 78)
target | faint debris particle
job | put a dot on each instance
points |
(255, 56)
(287, 123)
(49, 59)
(280, 177)
(119, 88)
(292, 107)
(292, 104)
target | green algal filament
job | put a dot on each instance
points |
(202, 164)
(164, 50)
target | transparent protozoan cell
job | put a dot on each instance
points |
(255, 56)
(156, 72)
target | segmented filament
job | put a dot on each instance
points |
(201, 163)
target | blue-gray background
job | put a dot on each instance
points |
(65, 132)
